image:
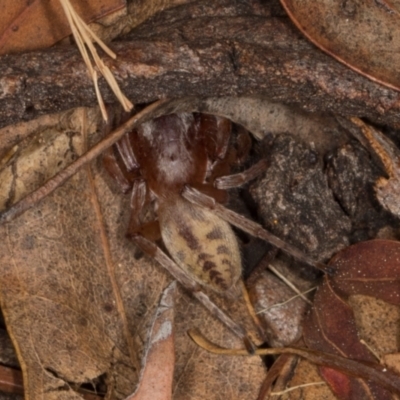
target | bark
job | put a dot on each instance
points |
(198, 50)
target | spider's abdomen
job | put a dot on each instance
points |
(201, 243)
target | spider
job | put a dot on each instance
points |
(178, 162)
(178, 165)
(155, 162)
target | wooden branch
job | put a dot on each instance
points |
(176, 56)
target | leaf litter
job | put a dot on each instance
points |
(115, 341)
(370, 269)
(364, 35)
(36, 24)
(64, 313)
(124, 283)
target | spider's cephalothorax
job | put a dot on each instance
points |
(156, 161)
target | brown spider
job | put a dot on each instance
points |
(156, 161)
(178, 163)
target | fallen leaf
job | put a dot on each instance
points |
(392, 361)
(75, 292)
(364, 35)
(369, 268)
(307, 372)
(63, 314)
(377, 324)
(35, 24)
(158, 369)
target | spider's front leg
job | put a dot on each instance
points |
(120, 163)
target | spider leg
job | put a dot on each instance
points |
(218, 190)
(126, 152)
(190, 284)
(216, 132)
(149, 230)
(138, 195)
(244, 144)
(114, 169)
(221, 196)
(224, 155)
(139, 201)
(251, 227)
(236, 180)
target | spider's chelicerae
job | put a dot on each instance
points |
(156, 162)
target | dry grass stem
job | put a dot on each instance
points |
(288, 283)
(84, 36)
(285, 302)
(99, 97)
(296, 388)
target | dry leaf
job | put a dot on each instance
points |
(306, 372)
(364, 35)
(158, 369)
(377, 324)
(62, 313)
(39, 24)
(368, 268)
(62, 305)
(392, 361)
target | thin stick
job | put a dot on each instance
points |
(251, 310)
(53, 183)
(279, 373)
